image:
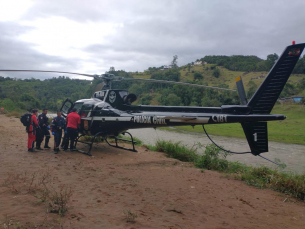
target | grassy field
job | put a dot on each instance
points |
(291, 130)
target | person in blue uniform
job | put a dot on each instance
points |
(57, 127)
(43, 122)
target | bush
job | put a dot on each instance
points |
(8, 105)
(216, 73)
(176, 150)
(210, 159)
(198, 76)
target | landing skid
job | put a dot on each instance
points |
(124, 140)
(102, 134)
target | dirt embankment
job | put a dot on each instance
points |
(117, 186)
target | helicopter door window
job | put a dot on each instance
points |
(66, 107)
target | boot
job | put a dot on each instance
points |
(31, 150)
(38, 143)
(47, 143)
(56, 150)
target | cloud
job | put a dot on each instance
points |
(19, 55)
(92, 36)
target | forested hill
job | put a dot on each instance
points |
(242, 63)
(16, 94)
(250, 63)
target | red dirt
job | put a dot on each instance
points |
(162, 192)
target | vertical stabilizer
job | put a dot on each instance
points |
(267, 94)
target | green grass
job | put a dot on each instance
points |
(291, 130)
(290, 184)
(16, 114)
(176, 150)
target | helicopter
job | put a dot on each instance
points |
(109, 112)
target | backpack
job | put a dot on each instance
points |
(26, 119)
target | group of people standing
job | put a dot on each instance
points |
(39, 128)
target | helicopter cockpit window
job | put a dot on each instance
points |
(85, 109)
(78, 106)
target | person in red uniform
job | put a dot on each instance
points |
(32, 130)
(73, 123)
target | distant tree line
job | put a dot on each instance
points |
(242, 63)
(18, 94)
(251, 63)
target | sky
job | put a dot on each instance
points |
(132, 35)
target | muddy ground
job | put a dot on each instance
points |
(116, 186)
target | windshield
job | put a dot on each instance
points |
(78, 106)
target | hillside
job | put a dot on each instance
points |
(16, 94)
(205, 74)
(226, 76)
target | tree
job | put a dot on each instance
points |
(300, 85)
(210, 102)
(252, 87)
(172, 100)
(174, 62)
(198, 76)
(189, 67)
(145, 100)
(288, 90)
(216, 73)
(172, 75)
(271, 59)
(300, 66)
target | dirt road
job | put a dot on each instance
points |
(117, 186)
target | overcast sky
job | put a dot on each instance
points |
(91, 36)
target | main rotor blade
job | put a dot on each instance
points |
(179, 83)
(73, 73)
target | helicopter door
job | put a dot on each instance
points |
(66, 107)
